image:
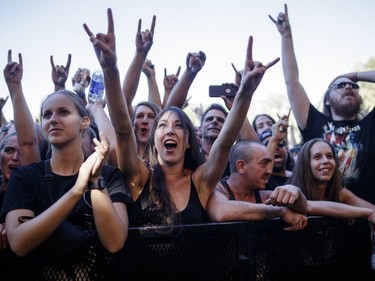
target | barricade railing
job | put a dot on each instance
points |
(327, 249)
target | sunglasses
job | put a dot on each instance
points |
(342, 85)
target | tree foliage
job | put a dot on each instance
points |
(367, 89)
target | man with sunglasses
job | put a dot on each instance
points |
(340, 122)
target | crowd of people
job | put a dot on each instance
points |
(82, 177)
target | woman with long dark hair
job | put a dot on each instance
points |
(173, 186)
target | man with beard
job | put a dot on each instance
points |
(353, 138)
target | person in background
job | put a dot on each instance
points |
(242, 195)
(143, 119)
(80, 81)
(212, 122)
(169, 81)
(275, 141)
(340, 123)
(262, 122)
(3, 120)
(60, 73)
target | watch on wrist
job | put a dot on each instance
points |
(99, 184)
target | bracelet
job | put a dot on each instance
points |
(369, 215)
(287, 36)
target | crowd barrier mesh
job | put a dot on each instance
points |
(327, 249)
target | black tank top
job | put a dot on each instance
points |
(258, 200)
(194, 212)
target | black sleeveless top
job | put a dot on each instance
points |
(194, 213)
(258, 199)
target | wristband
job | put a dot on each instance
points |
(99, 184)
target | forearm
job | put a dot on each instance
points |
(167, 93)
(336, 209)
(300, 206)
(297, 96)
(105, 126)
(126, 146)
(23, 121)
(236, 117)
(272, 146)
(365, 76)
(25, 237)
(112, 227)
(3, 120)
(117, 104)
(247, 131)
(153, 90)
(132, 77)
(59, 86)
(180, 91)
(289, 60)
(241, 211)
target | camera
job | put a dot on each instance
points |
(226, 89)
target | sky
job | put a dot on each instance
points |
(330, 37)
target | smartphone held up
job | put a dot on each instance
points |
(226, 89)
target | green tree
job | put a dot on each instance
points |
(367, 89)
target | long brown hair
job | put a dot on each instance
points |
(160, 208)
(303, 176)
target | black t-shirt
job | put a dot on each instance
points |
(354, 142)
(275, 181)
(27, 188)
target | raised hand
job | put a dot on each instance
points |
(60, 73)
(144, 39)
(282, 22)
(280, 128)
(253, 71)
(3, 102)
(13, 71)
(195, 61)
(104, 44)
(228, 101)
(102, 150)
(148, 68)
(91, 169)
(238, 75)
(171, 79)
